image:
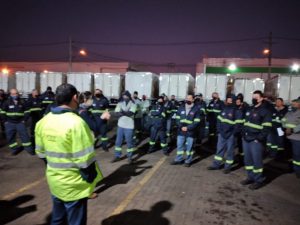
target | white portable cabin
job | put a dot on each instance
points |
(178, 84)
(206, 84)
(145, 83)
(247, 87)
(52, 79)
(112, 84)
(4, 81)
(26, 82)
(285, 86)
(81, 80)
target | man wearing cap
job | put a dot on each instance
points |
(291, 122)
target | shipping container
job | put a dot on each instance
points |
(52, 79)
(26, 82)
(112, 84)
(82, 81)
(285, 86)
(178, 84)
(145, 83)
(206, 84)
(247, 87)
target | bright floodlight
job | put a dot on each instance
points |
(295, 67)
(5, 71)
(232, 67)
(82, 52)
(266, 51)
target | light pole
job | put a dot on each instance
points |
(70, 54)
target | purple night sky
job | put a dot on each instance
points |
(170, 22)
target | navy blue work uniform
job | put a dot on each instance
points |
(226, 128)
(187, 116)
(85, 113)
(201, 129)
(99, 106)
(256, 128)
(48, 98)
(34, 104)
(213, 110)
(14, 114)
(275, 143)
(158, 128)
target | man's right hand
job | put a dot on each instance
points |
(105, 116)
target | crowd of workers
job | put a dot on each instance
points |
(67, 126)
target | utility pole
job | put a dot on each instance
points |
(70, 53)
(270, 43)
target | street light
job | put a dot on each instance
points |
(5, 71)
(266, 51)
(295, 67)
(232, 67)
(82, 52)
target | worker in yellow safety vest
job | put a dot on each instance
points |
(66, 144)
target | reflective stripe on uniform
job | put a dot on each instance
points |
(249, 167)
(239, 121)
(67, 165)
(186, 121)
(130, 150)
(267, 124)
(258, 170)
(104, 138)
(151, 142)
(180, 152)
(94, 111)
(163, 145)
(13, 145)
(297, 163)
(229, 161)
(290, 125)
(253, 125)
(118, 149)
(70, 155)
(223, 120)
(26, 144)
(14, 114)
(218, 158)
(35, 109)
(190, 153)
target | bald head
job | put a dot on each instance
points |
(14, 92)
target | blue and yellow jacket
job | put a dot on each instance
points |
(158, 117)
(214, 109)
(258, 123)
(191, 120)
(14, 112)
(99, 106)
(228, 120)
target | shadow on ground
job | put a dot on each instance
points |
(11, 210)
(122, 175)
(139, 217)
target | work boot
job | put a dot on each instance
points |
(17, 150)
(227, 171)
(176, 162)
(255, 186)
(246, 182)
(213, 168)
(116, 159)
